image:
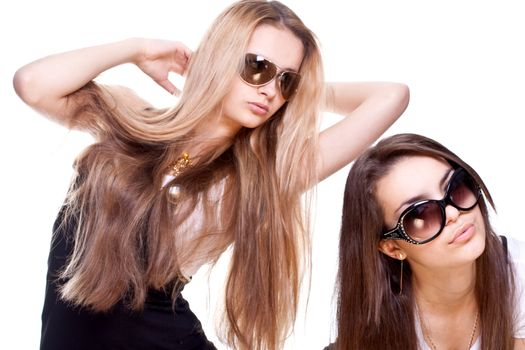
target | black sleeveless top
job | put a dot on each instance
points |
(158, 326)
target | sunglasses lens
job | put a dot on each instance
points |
(424, 221)
(257, 70)
(463, 191)
(288, 83)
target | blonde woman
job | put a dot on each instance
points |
(163, 191)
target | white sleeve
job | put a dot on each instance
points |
(517, 255)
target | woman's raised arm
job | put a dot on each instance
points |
(47, 84)
(370, 108)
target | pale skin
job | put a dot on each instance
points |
(443, 270)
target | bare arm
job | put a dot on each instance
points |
(47, 84)
(519, 344)
(370, 108)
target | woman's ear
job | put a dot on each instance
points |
(392, 249)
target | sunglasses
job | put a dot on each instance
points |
(424, 220)
(258, 71)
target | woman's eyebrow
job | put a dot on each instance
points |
(442, 183)
(446, 177)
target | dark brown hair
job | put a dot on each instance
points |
(371, 313)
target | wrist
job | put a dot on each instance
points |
(134, 49)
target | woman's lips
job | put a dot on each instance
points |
(258, 108)
(463, 234)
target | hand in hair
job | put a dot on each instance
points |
(160, 57)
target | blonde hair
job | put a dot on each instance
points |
(129, 226)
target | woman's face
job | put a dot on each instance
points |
(418, 178)
(250, 106)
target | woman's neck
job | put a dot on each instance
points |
(447, 290)
(206, 139)
(212, 132)
(446, 306)
(216, 125)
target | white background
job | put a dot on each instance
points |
(463, 60)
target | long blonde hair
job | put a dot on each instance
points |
(128, 224)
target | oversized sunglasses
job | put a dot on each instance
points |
(258, 71)
(424, 220)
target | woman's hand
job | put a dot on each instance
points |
(160, 57)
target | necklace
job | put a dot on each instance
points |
(426, 332)
(180, 164)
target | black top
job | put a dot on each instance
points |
(158, 326)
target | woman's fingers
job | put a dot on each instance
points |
(168, 86)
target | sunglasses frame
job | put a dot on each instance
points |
(398, 232)
(279, 72)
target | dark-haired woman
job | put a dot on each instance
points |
(420, 265)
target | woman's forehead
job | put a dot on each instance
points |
(411, 177)
(277, 44)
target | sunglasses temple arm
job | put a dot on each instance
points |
(390, 234)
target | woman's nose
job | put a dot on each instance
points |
(452, 214)
(270, 90)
